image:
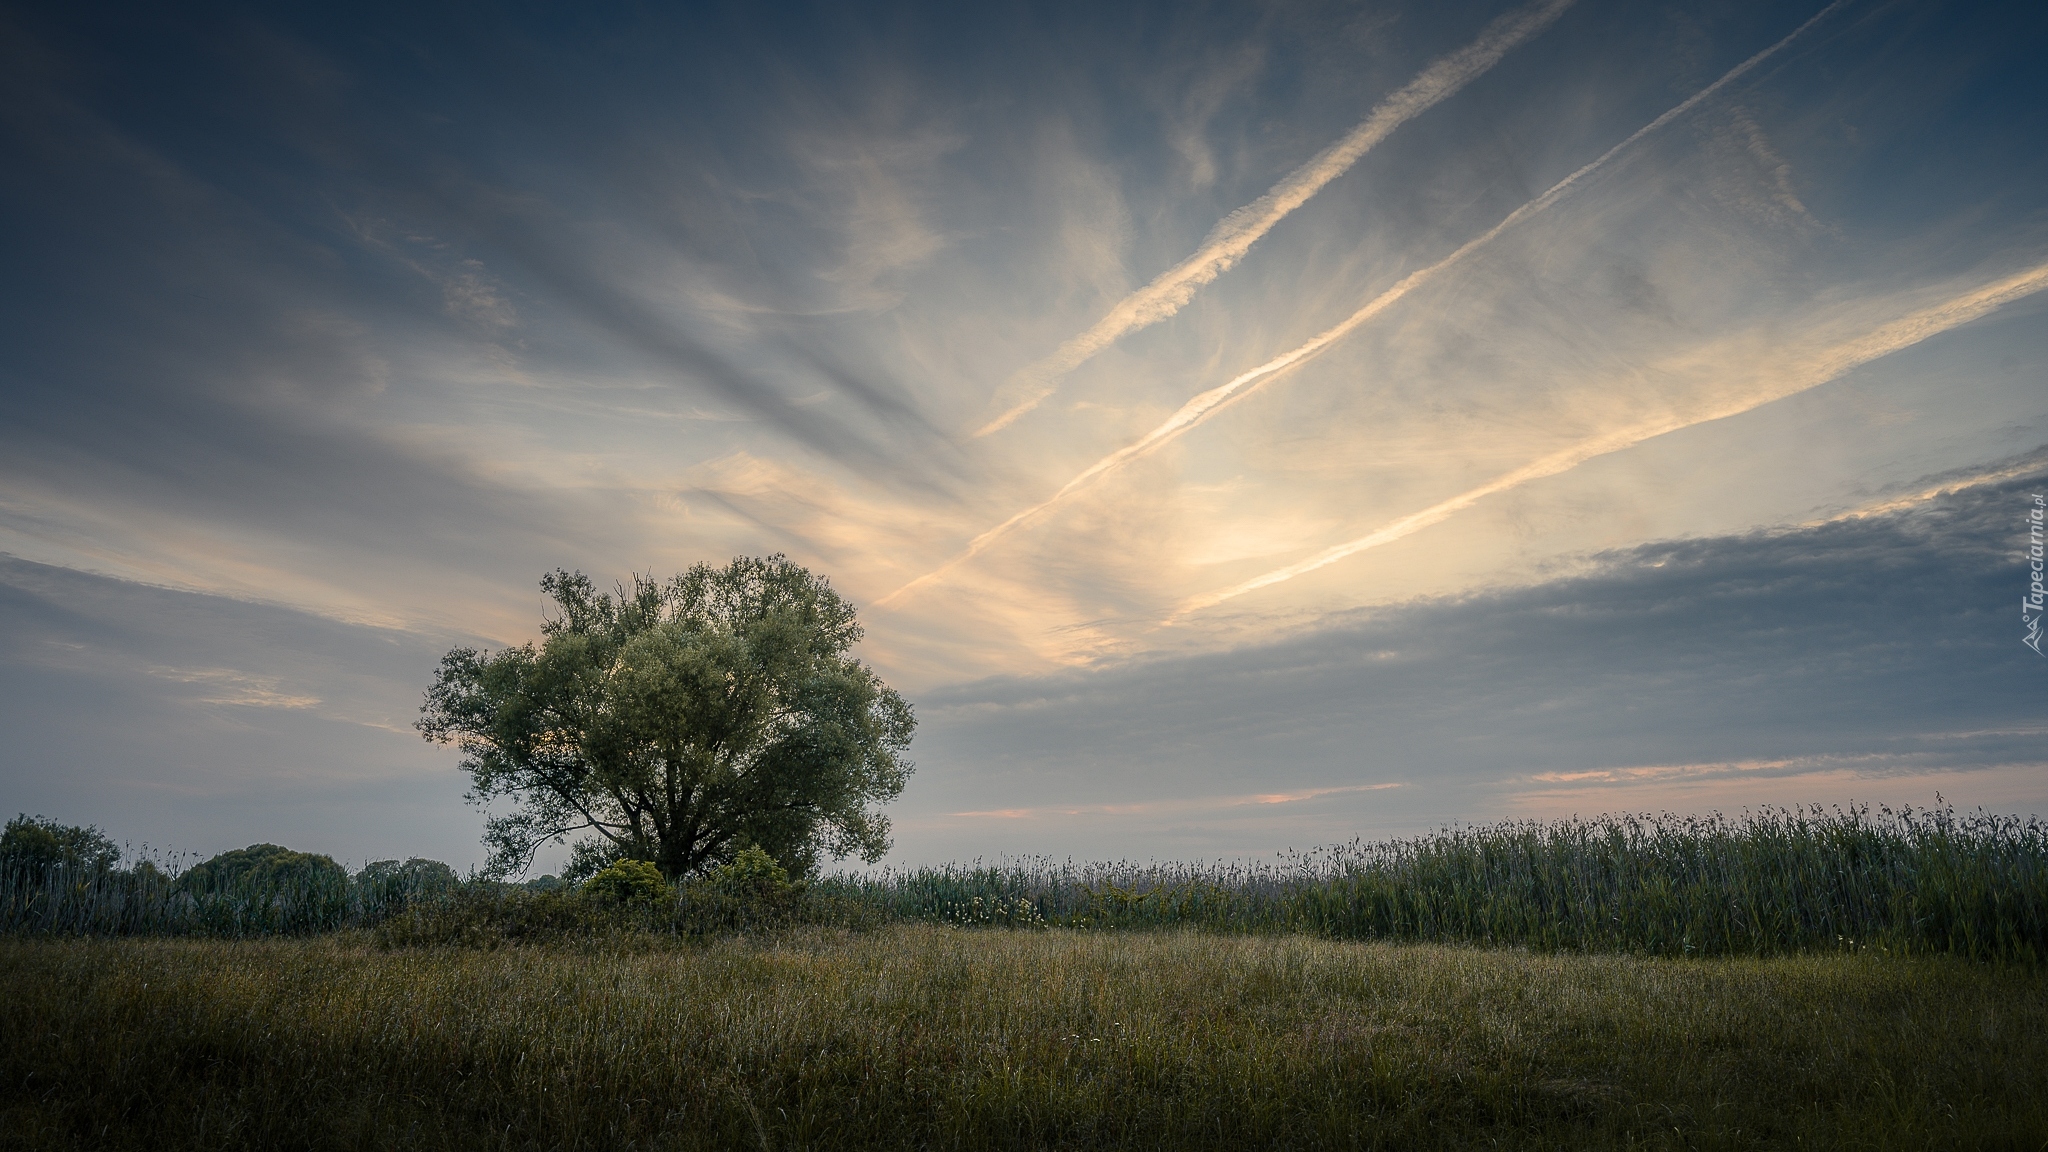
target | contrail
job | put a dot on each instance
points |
(1829, 365)
(1234, 235)
(1208, 403)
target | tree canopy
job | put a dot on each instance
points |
(679, 723)
(392, 881)
(264, 868)
(34, 842)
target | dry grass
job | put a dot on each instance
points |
(922, 1036)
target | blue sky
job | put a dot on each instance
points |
(1241, 426)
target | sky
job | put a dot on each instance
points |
(1240, 427)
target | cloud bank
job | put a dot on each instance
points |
(1873, 657)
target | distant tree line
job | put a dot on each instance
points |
(37, 846)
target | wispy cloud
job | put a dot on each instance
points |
(228, 686)
(1809, 372)
(1866, 777)
(1205, 405)
(1235, 234)
(1179, 804)
(1929, 755)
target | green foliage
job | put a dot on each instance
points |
(418, 874)
(32, 842)
(589, 857)
(673, 722)
(923, 1037)
(752, 871)
(256, 891)
(265, 868)
(390, 884)
(627, 881)
(488, 915)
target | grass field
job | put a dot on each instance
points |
(922, 1036)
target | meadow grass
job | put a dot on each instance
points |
(923, 1036)
(1807, 978)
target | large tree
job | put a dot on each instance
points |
(679, 722)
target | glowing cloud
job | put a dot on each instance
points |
(1801, 376)
(1207, 404)
(1234, 235)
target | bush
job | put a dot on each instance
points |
(753, 872)
(267, 868)
(483, 914)
(628, 882)
(626, 905)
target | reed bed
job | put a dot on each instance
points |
(1774, 882)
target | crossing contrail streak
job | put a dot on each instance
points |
(1234, 235)
(1207, 404)
(1818, 370)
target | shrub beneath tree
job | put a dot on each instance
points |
(628, 882)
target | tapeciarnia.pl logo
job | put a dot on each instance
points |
(2036, 599)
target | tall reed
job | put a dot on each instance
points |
(1774, 881)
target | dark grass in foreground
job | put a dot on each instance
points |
(929, 1037)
